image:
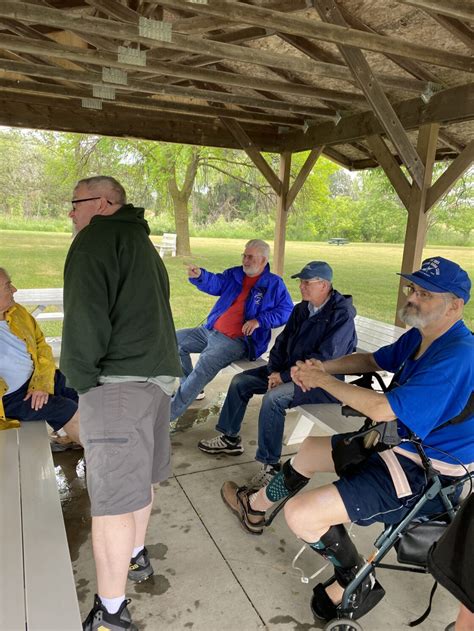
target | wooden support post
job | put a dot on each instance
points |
(282, 214)
(417, 220)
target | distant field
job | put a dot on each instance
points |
(365, 270)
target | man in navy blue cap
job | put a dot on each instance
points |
(320, 327)
(432, 391)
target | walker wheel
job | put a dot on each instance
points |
(343, 624)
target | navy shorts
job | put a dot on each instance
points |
(369, 494)
(59, 409)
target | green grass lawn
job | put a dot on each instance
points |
(365, 270)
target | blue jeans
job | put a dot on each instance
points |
(216, 352)
(271, 419)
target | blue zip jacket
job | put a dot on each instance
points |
(328, 334)
(268, 301)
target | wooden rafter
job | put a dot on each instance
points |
(149, 87)
(248, 146)
(236, 11)
(451, 105)
(459, 29)
(385, 113)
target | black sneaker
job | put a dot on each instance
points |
(100, 618)
(222, 445)
(140, 568)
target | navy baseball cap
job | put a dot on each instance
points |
(439, 275)
(315, 269)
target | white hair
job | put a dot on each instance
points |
(261, 246)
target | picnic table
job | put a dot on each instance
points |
(338, 241)
(40, 299)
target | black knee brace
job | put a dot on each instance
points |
(336, 546)
(285, 483)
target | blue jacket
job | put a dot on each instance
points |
(268, 301)
(328, 334)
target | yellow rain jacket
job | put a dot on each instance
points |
(24, 326)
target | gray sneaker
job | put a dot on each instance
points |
(222, 445)
(264, 475)
(99, 618)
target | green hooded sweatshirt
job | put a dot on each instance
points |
(117, 315)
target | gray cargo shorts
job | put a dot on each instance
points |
(124, 428)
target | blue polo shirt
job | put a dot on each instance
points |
(433, 389)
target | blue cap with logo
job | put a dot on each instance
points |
(315, 269)
(439, 275)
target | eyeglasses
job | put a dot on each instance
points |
(308, 282)
(86, 199)
(421, 294)
(251, 257)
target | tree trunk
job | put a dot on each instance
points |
(181, 218)
(180, 202)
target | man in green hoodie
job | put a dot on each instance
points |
(119, 352)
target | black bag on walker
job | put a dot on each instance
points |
(451, 559)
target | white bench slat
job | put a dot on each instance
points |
(50, 315)
(12, 602)
(50, 591)
(47, 296)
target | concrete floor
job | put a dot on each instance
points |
(209, 573)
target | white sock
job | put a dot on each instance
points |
(112, 604)
(137, 551)
(61, 432)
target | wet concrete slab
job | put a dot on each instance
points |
(211, 574)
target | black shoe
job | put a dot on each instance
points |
(365, 598)
(140, 568)
(100, 618)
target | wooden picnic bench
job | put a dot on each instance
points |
(338, 241)
(40, 299)
(37, 589)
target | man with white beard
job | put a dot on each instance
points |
(431, 393)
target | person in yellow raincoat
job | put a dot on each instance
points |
(31, 388)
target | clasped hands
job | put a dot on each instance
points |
(308, 374)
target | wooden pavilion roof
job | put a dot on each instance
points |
(267, 75)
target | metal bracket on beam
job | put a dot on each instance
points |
(92, 104)
(103, 92)
(198, 1)
(430, 91)
(154, 29)
(337, 118)
(132, 56)
(114, 75)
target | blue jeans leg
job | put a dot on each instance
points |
(271, 422)
(191, 341)
(219, 353)
(241, 390)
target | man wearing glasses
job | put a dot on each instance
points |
(119, 352)
(320, 327)
(252, 301)
(433, 364)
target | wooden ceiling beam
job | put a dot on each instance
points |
(170, 69)
(181, 43)
(362, 72)
(160, 89)
(302, 176)
(453, 105)
(247, 14)
(60, 116)
(153, 104)
(311, 50)
(461, 9)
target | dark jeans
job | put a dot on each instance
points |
(271, 419)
